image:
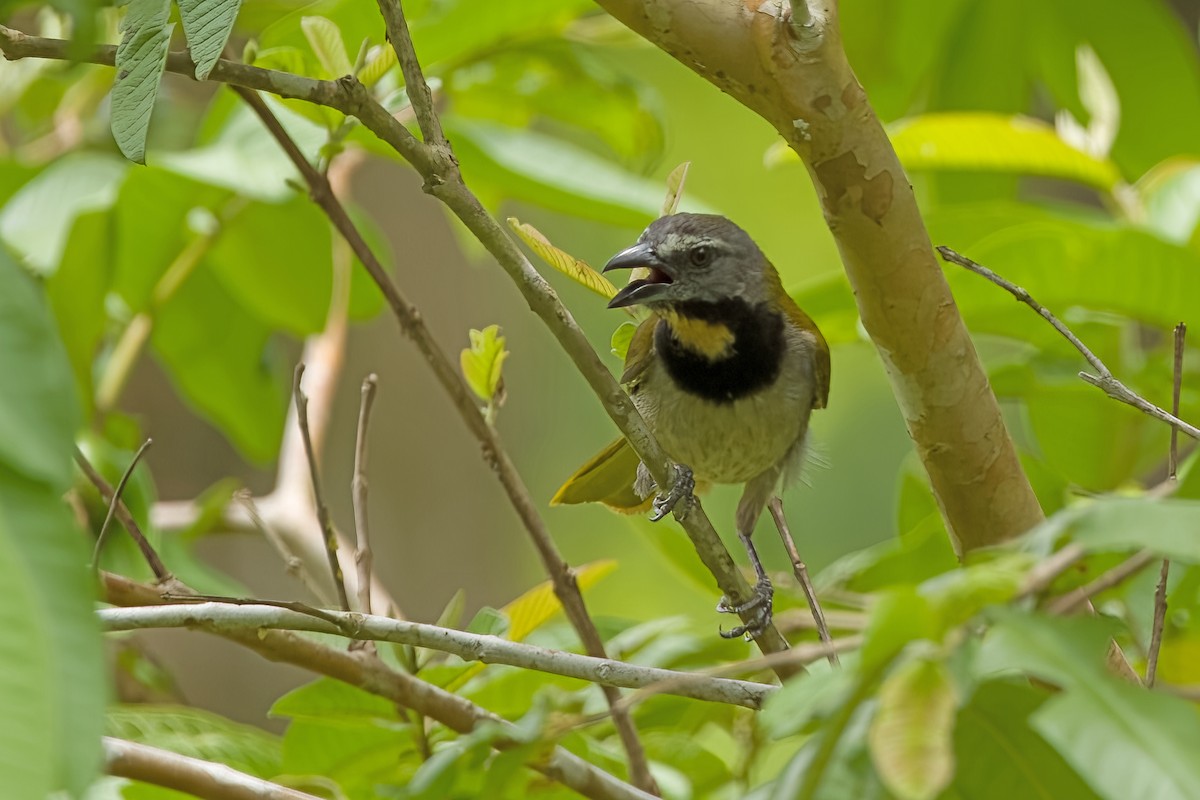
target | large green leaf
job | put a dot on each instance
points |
(206, 24)
(141, 58)
(999, 756)
(198, 734)
(1125, 741)
(985, 142)
(52, 689)
(222, 359)
(1126, 523)
(549, 172)
(37, 219)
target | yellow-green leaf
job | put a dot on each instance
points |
(483, 362)
(325, 38)
(574, 268)
(534, 609)
(675, 183)
(911, 736)
(379, 60)
(621, 338)
(987, 143)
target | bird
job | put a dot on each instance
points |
(726, 370)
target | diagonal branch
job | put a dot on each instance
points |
(372, 675)
(1104, 379)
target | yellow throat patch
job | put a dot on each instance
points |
(712, 340)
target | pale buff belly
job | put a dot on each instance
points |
(727, 442)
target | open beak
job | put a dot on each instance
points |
(641, 290)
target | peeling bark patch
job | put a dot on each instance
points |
(822, 103)
(845, 178)
(853, 95)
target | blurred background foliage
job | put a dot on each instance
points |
(1058, 144)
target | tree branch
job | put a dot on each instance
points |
(806, 89)
(1071, 601)
(358, 490)
(800, 570)
(1104, 380)
(372, 675)
(222, 618)
(193, 776)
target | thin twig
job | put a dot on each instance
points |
(116, 498)
(455, 386)
(1104, 380)
(358, 489)
(288, 605)
(327, 531)
(1046, 572)
(1160, 591)
(1070, 601)
(800, 570)
(193, 776)
(161, 573)
(1160, 618)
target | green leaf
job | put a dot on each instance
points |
(575, 268)
(141, 58)
(911, 733)
(483, 362)
(380, 60)
(897, 617)
(53, 687)
(621, 337)
(328, 699)
(675, 183)
(984, 142)
(1126, 742)
(37, 219)
(999, 756)
(552, 173)
(1166, 526)
(804, 698)
(198, 734)
(206, 24)
(1170, 195)
(232, 372)
(326, 41)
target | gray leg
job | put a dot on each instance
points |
(754, 500)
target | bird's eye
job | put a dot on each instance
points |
(701, 255)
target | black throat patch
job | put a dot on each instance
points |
(753, 359)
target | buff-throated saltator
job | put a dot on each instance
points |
(725, 372)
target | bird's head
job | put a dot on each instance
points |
(692, 257)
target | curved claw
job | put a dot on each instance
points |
(762, 600)
(679, 499)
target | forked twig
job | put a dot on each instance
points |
(800, 570)
(116, 499)
(322, 510)
(117, 506)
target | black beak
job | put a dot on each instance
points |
(642, 290)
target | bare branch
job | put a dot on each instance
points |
(358, 489)
(225, 615)
(117, 505)
(369, 673)
(414, 81)
(331, 543)
(800, 570)
(1105, 380)
(193, 776)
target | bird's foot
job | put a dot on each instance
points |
(679, 499)
(761, 603)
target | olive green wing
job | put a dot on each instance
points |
(821, 367)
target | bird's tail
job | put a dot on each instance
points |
(607, 478)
